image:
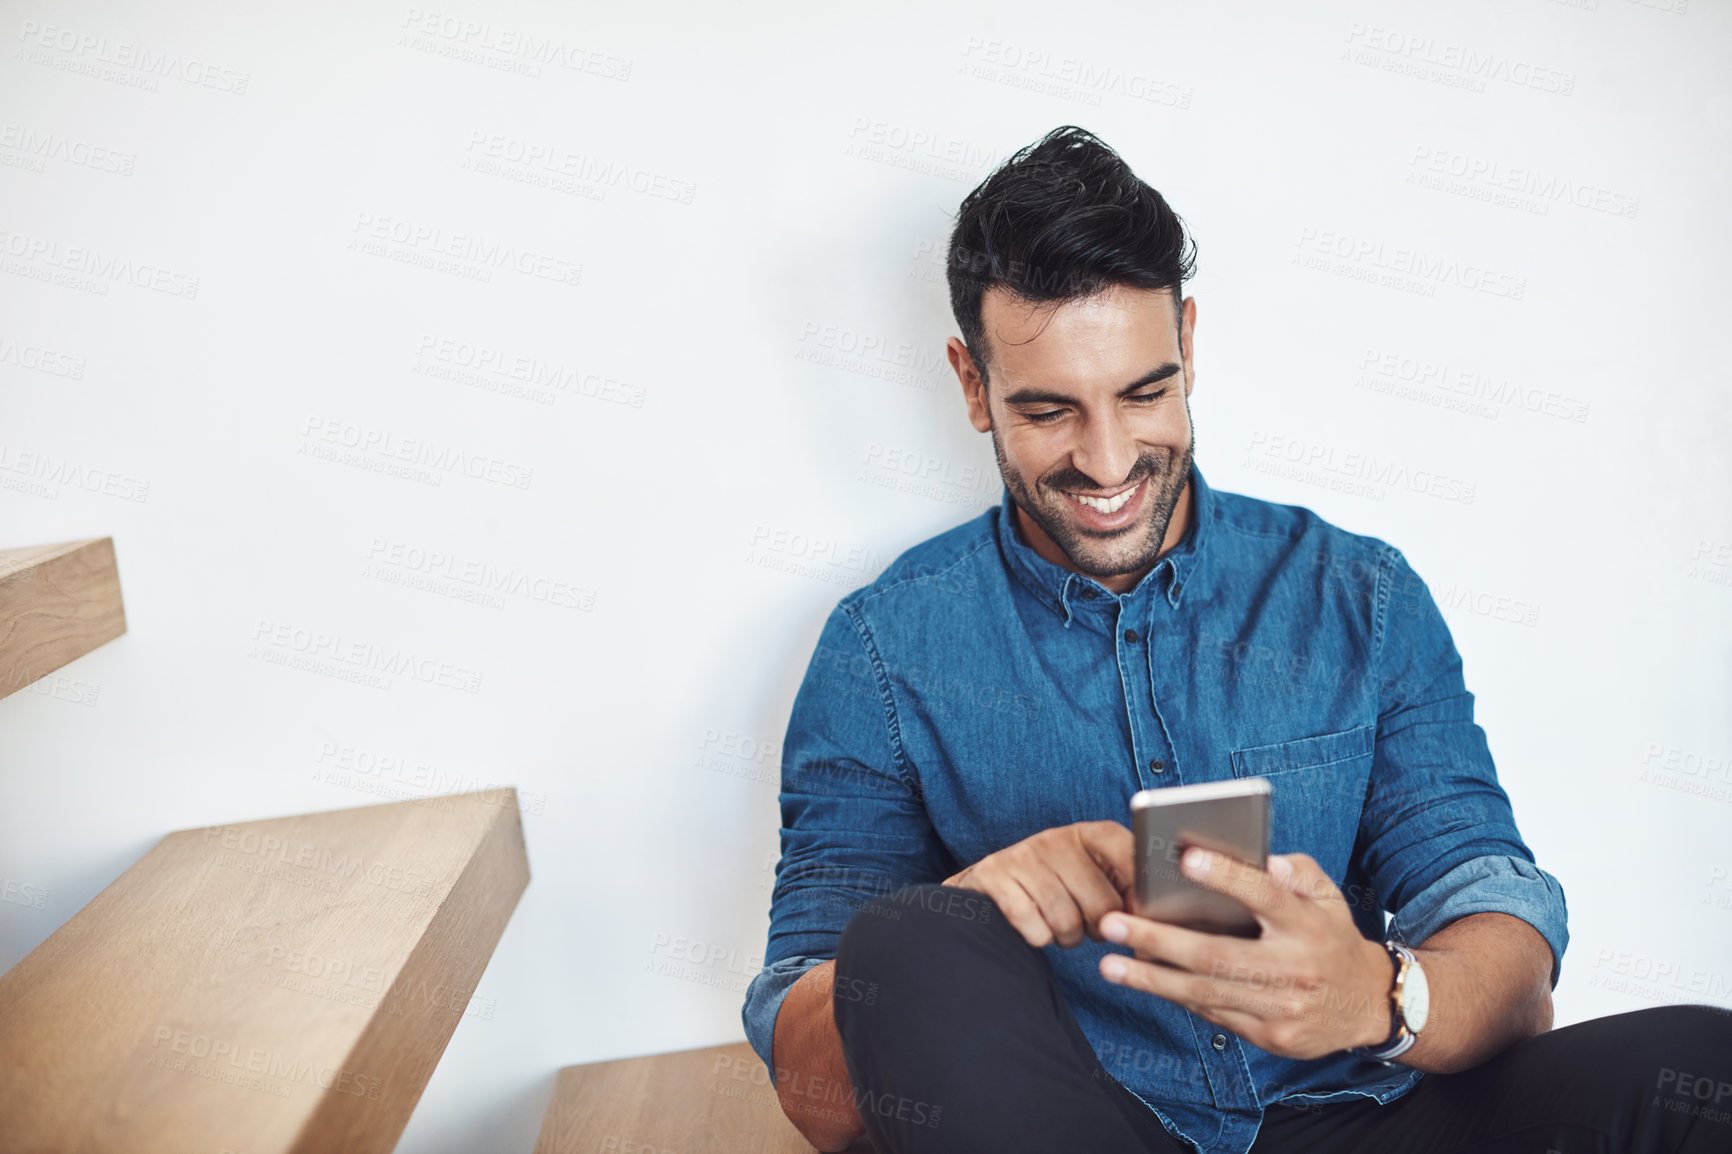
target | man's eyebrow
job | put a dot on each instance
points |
(1036, 396)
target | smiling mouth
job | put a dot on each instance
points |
(1110, 504)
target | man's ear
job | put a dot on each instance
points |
(1188, 341)
(973, 388)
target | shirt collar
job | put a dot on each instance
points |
(1058, 587)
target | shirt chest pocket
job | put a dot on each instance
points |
(1318, 789)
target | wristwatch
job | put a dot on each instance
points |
(1409, 1005)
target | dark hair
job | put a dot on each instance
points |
(1064, 217)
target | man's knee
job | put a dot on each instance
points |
(917, 926)
(1675, 1025)
(1690, 1042)
(1659, 1050)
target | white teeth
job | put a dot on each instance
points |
(1111, 504)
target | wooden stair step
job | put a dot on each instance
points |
(57, 603)
(272, 987)
(715, 1100)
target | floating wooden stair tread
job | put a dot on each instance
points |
(717, 1100)
(273, 987)
(57, 602)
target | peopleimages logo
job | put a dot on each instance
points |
(1461, 388)
(54, 471)
(1489, 176)
(512, 372)
(551, 160)
(1367, 258)
(1364, 474)
(426, 29)
(88, 51)
(244, 845)
(399, 563)
(1456, 64)
(369, 447)
(38, 359)
(283, 643)
(229, 1060)
(444, 251)
(39, 146)
(1067, 77)
(39, 254)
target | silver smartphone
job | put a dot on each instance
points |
(1229, 817)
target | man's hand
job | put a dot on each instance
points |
(1309, 986)
(1059, 883)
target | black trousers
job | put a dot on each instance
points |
(958, 1039)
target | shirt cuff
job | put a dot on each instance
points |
(1500, 885)
(764, 1001)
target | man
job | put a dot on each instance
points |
(947, 965)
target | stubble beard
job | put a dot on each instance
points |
(1100, 555)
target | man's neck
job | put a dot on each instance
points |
(1036, 538)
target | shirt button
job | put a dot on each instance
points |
(1157, 765)
(1131, 636)
(1219, 1041)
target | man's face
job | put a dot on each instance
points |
(1089, 410)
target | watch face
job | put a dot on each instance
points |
(1415, 998)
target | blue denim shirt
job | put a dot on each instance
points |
(976, 694)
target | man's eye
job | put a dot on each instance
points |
(1043, 418)
(1154, 396)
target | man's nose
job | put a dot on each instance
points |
(1106, 451)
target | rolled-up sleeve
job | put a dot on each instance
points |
(854, 826)
(1437, 835)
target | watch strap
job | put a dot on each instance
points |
(1401, 1039)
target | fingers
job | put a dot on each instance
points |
(1256, 889)
(1292, 873)
(1192, 950)
(1207, 997)
(1300, 874)
(1032, 896)
(1298, 990)
(1271, 1008)
(1271, 894)
(1066, 881)
(1098, 873)
(1063, 921)
(1018, 908)
(1056, 885)
(1113, 849)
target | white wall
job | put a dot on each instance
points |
(706, 438)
